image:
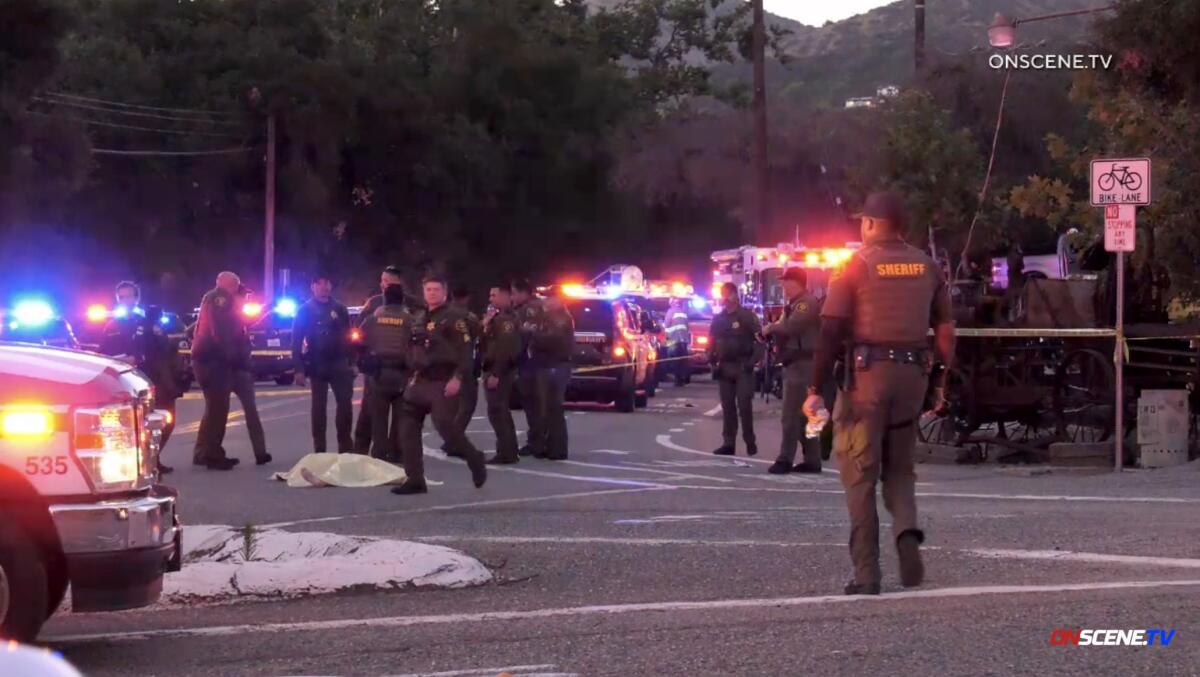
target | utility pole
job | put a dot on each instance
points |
(919, 37)
(269, 220)
(762, 178)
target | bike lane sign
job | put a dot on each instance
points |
(1120, 181)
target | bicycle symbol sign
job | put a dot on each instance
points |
(1121, 181)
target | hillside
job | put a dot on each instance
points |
(855, 56)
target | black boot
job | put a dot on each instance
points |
(221, 464)
(499, 460)
(409, 488)
(263, 460)
(853, 588)
(478, 469)
(780, 467)
(751, 449)
(164, 469)
(724, 450)
(807, 469)
(908, 547)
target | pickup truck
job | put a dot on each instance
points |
(80, 507)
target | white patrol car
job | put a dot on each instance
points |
(79, 503)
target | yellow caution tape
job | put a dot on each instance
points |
(253, 353)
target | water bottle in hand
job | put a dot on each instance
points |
(816, 423)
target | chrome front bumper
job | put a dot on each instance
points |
(116, 525)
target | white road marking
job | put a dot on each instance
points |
(599, 540)
(676, 475)
(619, 609)
(1088, 557)
(472, 504)
(665, 441)
(940, 494)
(482, 672)
(441, 456)
(687, 424)
(675, 430)
(614, 452)
(714, 411)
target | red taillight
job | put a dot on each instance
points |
(252, 309)
(355, 335)
(701, 340)
(97, 313)
(619, 351)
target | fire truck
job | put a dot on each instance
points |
(757, 271)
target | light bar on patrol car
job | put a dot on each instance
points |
(32, 313)
(26, 422)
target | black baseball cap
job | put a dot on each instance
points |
(885, 206)
(795, 275)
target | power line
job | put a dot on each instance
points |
(170, 153)
(135, 114)
(163, 109)
(132, 127)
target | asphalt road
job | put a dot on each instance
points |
(644, 554)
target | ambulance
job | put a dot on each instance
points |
(80, 506)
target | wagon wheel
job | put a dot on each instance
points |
(1085, 397)
(952, 426)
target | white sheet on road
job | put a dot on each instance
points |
(341, 470)
(287, 564)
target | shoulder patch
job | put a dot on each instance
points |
(802, 307)
(461, 325)
(219, 300)
(507, 327)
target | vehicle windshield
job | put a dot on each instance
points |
(55, 333)
(591, 315)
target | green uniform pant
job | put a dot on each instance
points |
(530, 402)
(796, 379)
(468, 400)
(500, 416)
(386, 408)
(874, 438)
(736, 385)
(428, 398)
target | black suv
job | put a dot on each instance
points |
(612, 355)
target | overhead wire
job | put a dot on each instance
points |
(159, 130)
(163, 109)
(84, 106)
(171, 153)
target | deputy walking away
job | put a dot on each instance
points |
(441, 358)
(733, 352)
(387, 333)
(362, 427)
(800, 318)
(550, 354)
(882, 305)
(469, 398)
(528, 311)
(322, 353)
(136, 335)
(216, 352)
(500, 347)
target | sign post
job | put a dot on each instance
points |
(1119, 186)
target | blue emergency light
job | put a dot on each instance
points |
(286, 308)
(698, 303)
(32, 313)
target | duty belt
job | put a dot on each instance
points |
(865, 354)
